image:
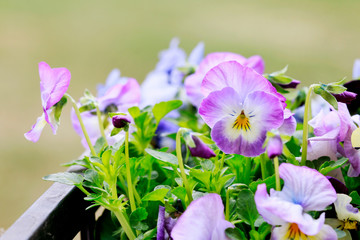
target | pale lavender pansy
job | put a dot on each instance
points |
(304, 190)
(240, 108)
(289, 125)
(348, 217)
(193, 82)
(165, 81)
(54, 83)
(113, 79)
(118, 98)
(203, 220)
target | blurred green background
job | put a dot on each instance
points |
(319, 40)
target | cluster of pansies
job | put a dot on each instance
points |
(212, 147)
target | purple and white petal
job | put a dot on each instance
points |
(320, 147)
(53, 85)
(220, 104)
(279, 211)
(255, 62)
(160, 235)
(352, 153)
(274, 147)
(283, 232)
(171, 57)
(203, 220)
(112, 79)
(289, 125)
(197, 54)
(201, 149)
(306, 187)
(36, 130)
(344, 210)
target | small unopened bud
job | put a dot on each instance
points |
(292, 84)
(121, 121)
(345, 97)
(201, 149)
(274, 147)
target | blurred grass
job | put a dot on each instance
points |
(318, 40)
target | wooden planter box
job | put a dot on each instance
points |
(57, 214)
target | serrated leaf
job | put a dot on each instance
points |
(92, 176)
(269, 181)
(137, 217)
(327, 167)
(65, 178)
(326, 96)
(207, 165)
(163, 156)
(156, 195)
(99, 144)
(246, 207)
(161, 109)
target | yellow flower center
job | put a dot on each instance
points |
(350, 225)
(294, 233)
(242, 122)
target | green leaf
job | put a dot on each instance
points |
(87, 107)
(269, 181)
(99, 144)
(137, 217)
(246, 207)
(235, 234)
(326, 96)
(336, 89)
(134, 111)
(156, 195)
(65, 178)
(115, 131)
(327, 167)
(207, 165)
(179, 192)
(161, 109)
(201, 176)
(186, 134)
(58, 109)
(92, 176)
(163, 156)
(355, 197)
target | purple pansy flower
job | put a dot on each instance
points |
(164, 225)
(304, 190)
(241, 107)
(113, 79)
(193, 82)
(54, 83)
(119, 98)
(201, 149)
(164, 82)
(203, 220)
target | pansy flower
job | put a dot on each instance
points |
(348, 217)
(203, 220)
(241, 107)
(117, 98)
(54, 83)
(193, 82)
(304, 190)
(113, 79)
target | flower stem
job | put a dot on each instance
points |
(277, 177)
(181, 165)
(306, 127)
(101, 125)
(247, 173)
(128, 173)
(227, 210)
(263, 166)
(86, 135)
(124, 223)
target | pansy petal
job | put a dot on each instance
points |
(161, 224)
(232, 74)
(283, 232)
(289, 125)
(192, 87)
(35, 132)
(53, 85)
(278, 211)
(306, 187)
(203, 220)
(220, 104)
(352, 153)
(197, 54)
(321, 147)
(257, 63)
(356, 69)
(344, 210)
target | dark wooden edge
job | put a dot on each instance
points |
(57, 214)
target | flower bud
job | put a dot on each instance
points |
(121, 121)
(292, 84)
(345, 97)
(274, 147)
(201, 149)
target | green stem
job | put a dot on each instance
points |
(181, 165)
(247, 172)
(263, 166)
(306, 126)
(83, 189)
(227, 210)
(101, 124)
(128, 173)
(277, 176)
(86, 135)
(124, 223)
(222, 162)
(122, 181)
